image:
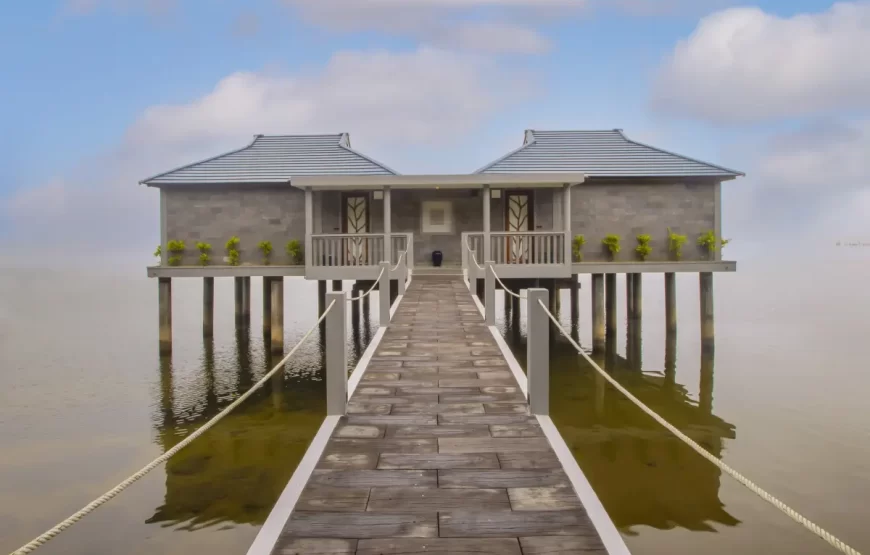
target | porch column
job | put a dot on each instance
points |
(566, 221)
(309, 224)
(388, 227)
(487, 243)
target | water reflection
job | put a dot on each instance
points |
(234, 473)
(643, 475)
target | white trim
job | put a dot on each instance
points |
(271, 530)
(395, 306)
(647, 267)
(447, 181)
(610, 536)
(364, 360)
(512, 361)
(224, 271)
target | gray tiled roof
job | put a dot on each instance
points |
(599, 154)
(276, 159)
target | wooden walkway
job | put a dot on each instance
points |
(438, 453)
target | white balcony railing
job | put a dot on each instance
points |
(533, 247)
(357, 249)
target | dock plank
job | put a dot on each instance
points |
(440, 546)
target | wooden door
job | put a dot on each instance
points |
(519, 217)
(355, 218)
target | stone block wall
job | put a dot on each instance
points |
(253, 214)
(630, 209)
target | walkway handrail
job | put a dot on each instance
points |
(87, 509)
(504, 287)
(366, 294)
(399, 261)
(471, 252)
(752, 486)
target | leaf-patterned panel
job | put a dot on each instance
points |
(357, 222)
(518, 220)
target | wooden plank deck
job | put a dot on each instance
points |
(438, 453)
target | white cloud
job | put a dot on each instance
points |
(743, 65)
(386, 100)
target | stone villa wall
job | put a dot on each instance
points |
(253, 214)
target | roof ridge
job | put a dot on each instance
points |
(697, 161)
(145, 181)
(361, 155)
(511, 153)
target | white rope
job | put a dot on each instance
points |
(753, 487)
(375, 284)
(75, 517)
(471, 252)
(505, 288)
(396, 267)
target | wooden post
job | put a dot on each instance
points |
(480, 284)
(267, 306)
(354, 305)
(538, 352)
(705, 388)
(246, 300)
(575, 300)
(610, 301)
(670, 302)
(164, 309)
(629, 296)
(276, 289)
(489, 294)
(239, 290)
(384, 295)
(388, 226)
(598, 329)
(336, 355)
(707, 328)
(207, 306)
(321, 297)
(637, 296)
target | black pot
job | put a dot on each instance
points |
(437, 257)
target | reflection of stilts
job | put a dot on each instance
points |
(705, 388)
(670, 361)
(167, 397)
(600, 384)
(243, 355)
(575, 308)
(276, 383)
(211, 400)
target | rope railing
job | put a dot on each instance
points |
(399, 262)
(505, 287)
(90, 507)
(471, 252)
(752, 486)
(372, 288)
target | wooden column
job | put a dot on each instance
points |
(246, 300)
(207, 306)
(637, 296)
(598, 328)
(610, 301)
(670, 303)
(575, 300)
(629, 296)
(239, 293)
(706, 288)
(321, 297)
(164, 309)
(267, 306)
(276, 295)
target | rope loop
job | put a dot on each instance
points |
(366, 294)
(752, 486)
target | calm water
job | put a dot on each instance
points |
(86, 400)
(783, 399)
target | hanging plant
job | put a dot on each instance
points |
(577, 247)
(675, 244)
(294, 251)
(265, 248)
(643, 249)
(611, 241)
(204, 250)
(232, 247)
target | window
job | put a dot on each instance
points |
(437, 216)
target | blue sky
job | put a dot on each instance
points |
(101, 93)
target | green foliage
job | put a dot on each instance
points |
(611, 241)
(724, 242)
(204, 259)
(203, 247)
(175, 261)
(577, 247)
(294, 251)
(175, 246)
(233, 250)
(675, 243)
(159, 251)
(707, 240)
(643, 249)
(266, 248)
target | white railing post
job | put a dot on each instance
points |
(489, 294)
(403, 274)
(336, 354)
(384, 294)
(388, 226)
(538, 351)
(309, 225)
(566, 218)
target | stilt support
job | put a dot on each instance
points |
(276, 314)
(707, 328)
(671, 302)
(207, 306)
(267, 306)
(610, 300)
(239, 293)
(321, 297)
(598, 328)
(164, 299)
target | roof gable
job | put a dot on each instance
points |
(607, 153)
(277, 159)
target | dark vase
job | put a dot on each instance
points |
(437, 258)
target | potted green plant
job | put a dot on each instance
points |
(265, 248)
(707, 240)
(232, 247)
(675, 244)
(204, 250)
(176, 247)
(294, 251)
(643, 249)
(158, 253)
(611, 242)
(577, 247)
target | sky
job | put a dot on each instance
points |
(96, 95)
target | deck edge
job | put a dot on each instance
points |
(271, 530)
